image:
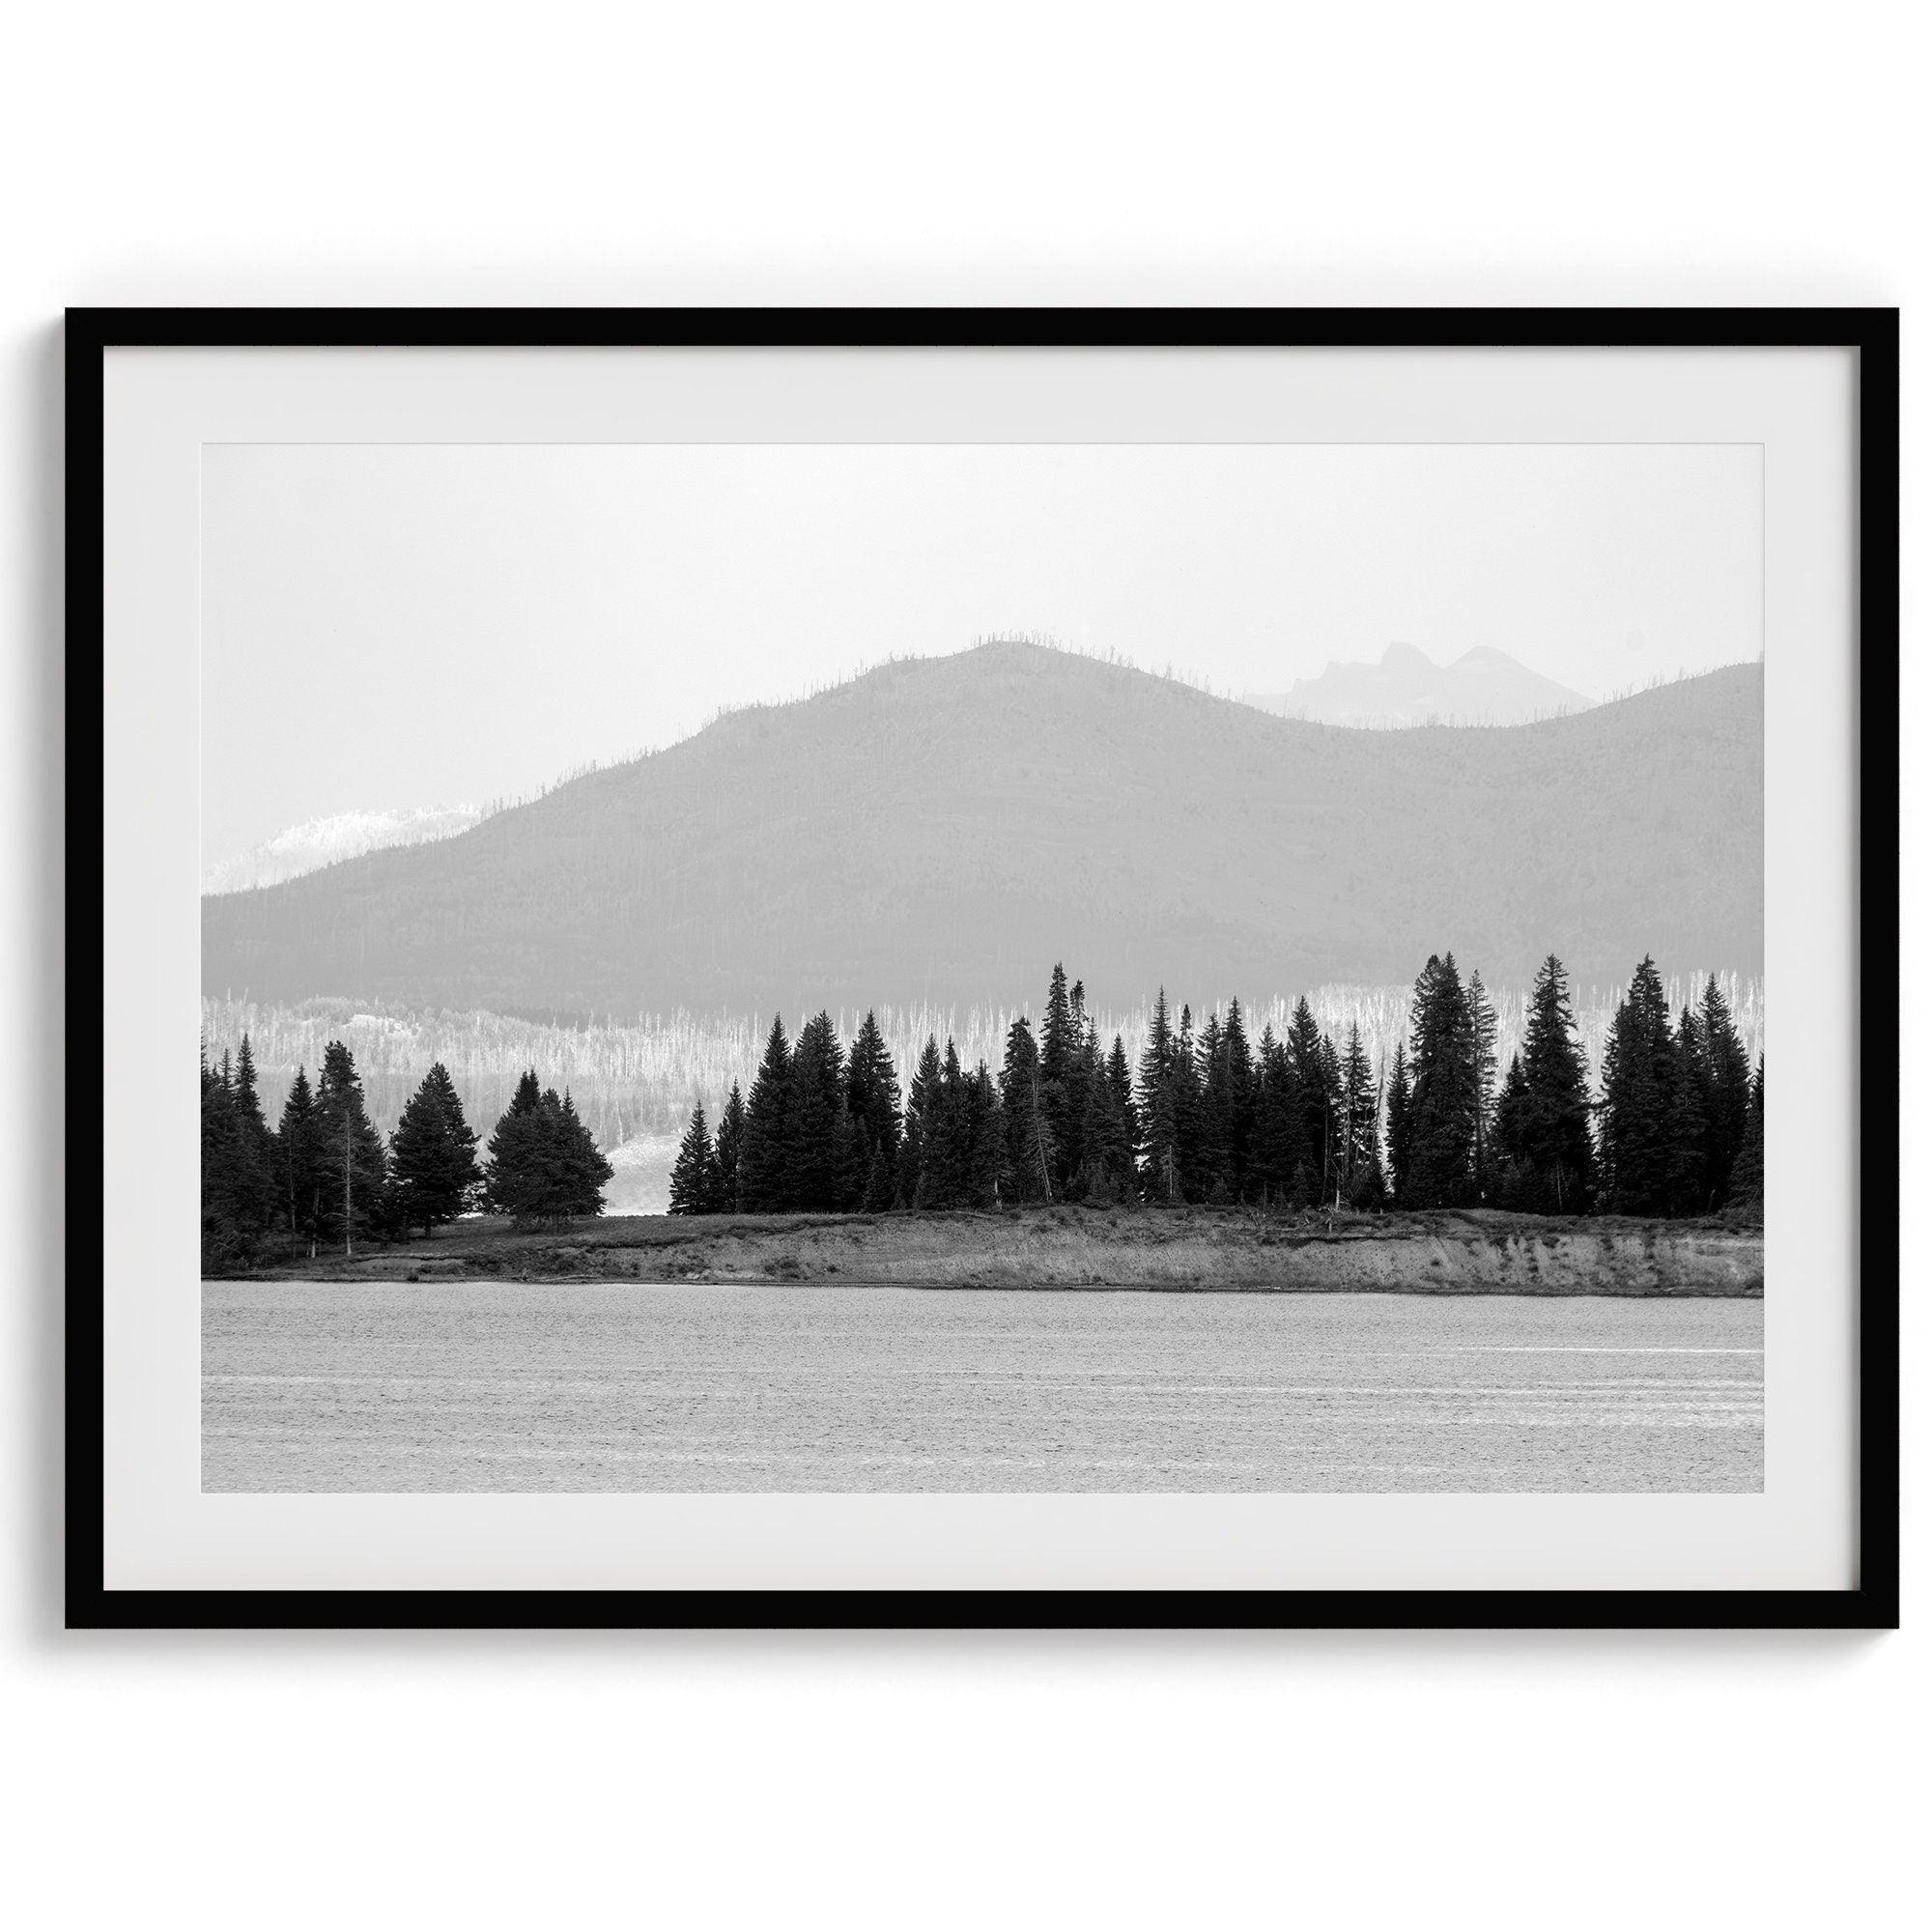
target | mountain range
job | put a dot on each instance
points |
(1483, 686)
(944, 829)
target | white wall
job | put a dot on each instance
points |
(390, 153)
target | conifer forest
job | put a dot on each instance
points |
(1456, 1107)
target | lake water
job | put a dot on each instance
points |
(447, 1386)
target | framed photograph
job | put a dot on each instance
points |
(949, 968)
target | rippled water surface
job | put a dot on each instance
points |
(389, 1386)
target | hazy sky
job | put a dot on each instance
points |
(387, 626)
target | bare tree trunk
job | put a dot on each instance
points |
(1040, 1140)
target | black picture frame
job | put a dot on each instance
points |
(1872, 333)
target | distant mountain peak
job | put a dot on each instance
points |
(1399, 657)
(1483, 686)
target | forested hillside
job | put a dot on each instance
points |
(930, 831)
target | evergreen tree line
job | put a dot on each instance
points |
(1211, 1117)
(323, 1177)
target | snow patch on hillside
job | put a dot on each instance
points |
(327, 842)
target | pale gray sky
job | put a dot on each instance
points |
(389, 626)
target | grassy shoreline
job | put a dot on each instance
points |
(1186, 1250)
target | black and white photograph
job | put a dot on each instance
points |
(962, 969)
(982, 967)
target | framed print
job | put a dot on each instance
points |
(982, 967)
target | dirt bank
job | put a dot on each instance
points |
(1196, 1249)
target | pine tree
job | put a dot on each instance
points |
(872, 1100)
(587, 1172)
(1159, 1127)
(1185, 1080)
(351, 1151)
(299, 1168)
(1110, 1132)
(729, 1148)
(432, 1155)
(1310, 1148)
(238, 1197)
(926, 1126)
(1641, 1108)
(1688, 1113)
(817, 1174)
(1091, 1104)
(949, 1145)
(1331, 1122)
(1120, 1083)
(221, 1240)
(1358, 1137)
(1548, 1140)
(255, 1152)
(1398, 1126)
(1510, 1173)
(512, 1183)
(1439, 1171)
(1727, 1094)
(1747, 1190)
(764, 1161)
(1214, 1182)
(1278, 1127)
(985, 1139)
(1107, 1135)
(1058, 1043)
(1027, 1174)
(696, 1186)
(545, 1167)
(1239, 1079)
